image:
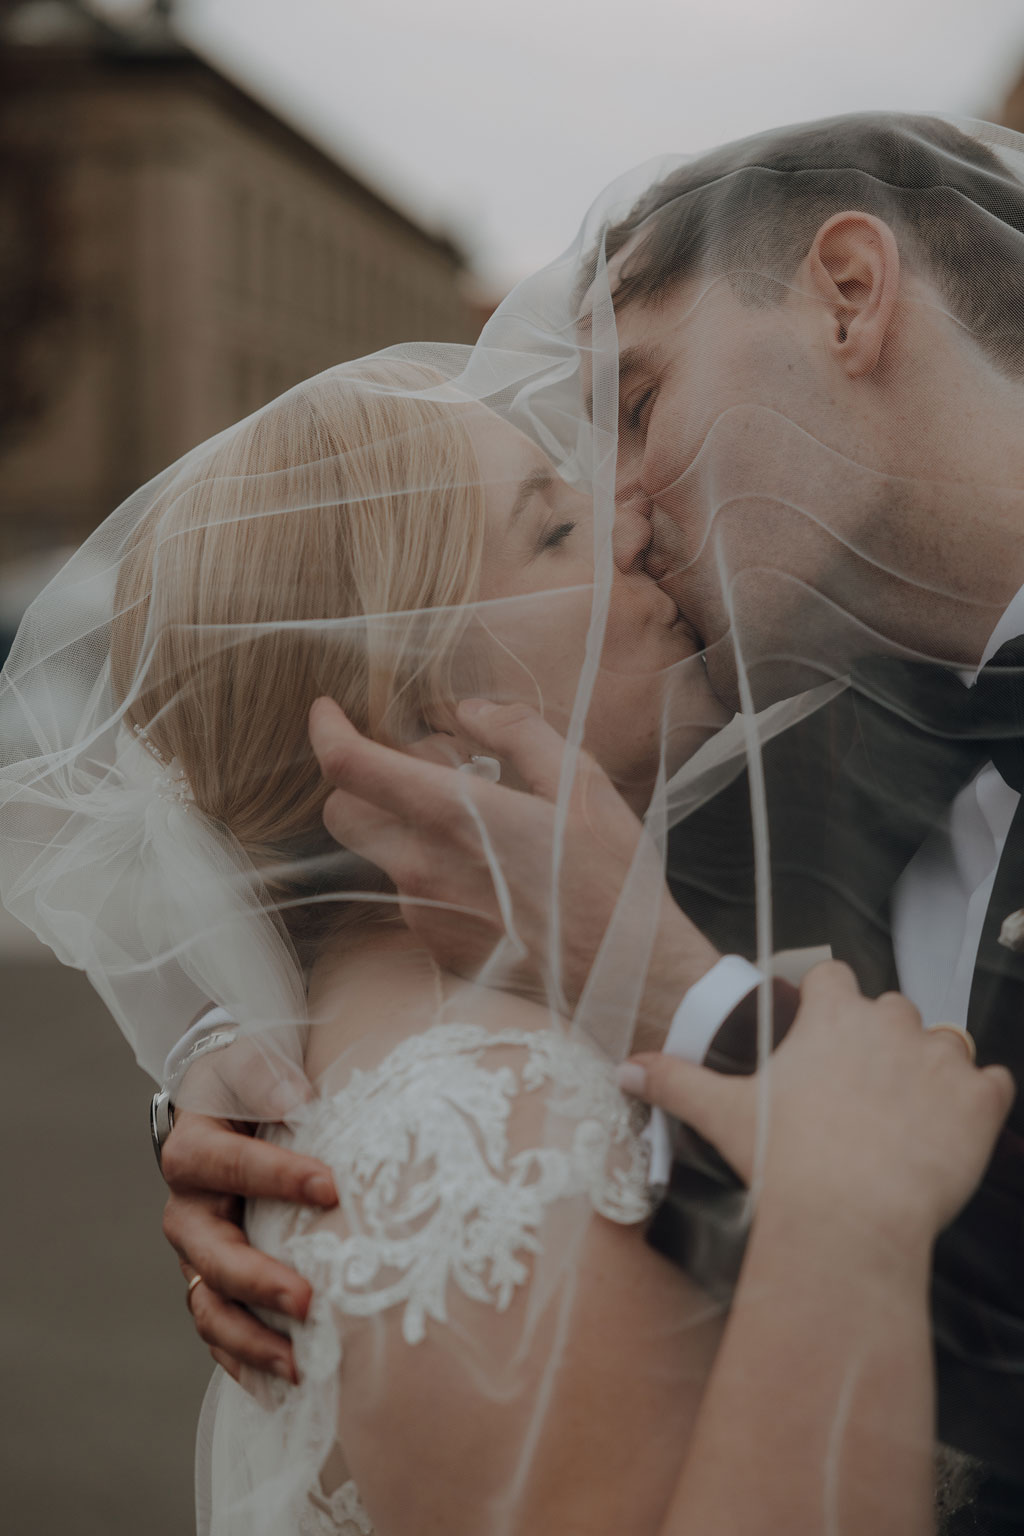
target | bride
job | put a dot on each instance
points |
(491, 1344)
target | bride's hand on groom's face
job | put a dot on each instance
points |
(863, 1119)
(472, 860)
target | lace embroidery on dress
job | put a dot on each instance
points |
(434, 1196)
(471, 1215)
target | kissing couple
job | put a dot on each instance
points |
(486, 748)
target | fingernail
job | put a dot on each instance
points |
(318, 1190)
(285, 1302)
(475, 709)
(283, 1369)
(632, 1079)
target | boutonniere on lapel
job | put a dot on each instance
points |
(1011, 934)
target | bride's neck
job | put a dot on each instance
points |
(367, 991)
(350, 957)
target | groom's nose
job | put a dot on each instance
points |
(627, 477)
(632, 533)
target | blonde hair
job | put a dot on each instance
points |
(344, 499)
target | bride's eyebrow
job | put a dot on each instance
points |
(533, 484)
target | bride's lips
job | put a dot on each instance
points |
(678, 620)
(657, 567)
(681, 624)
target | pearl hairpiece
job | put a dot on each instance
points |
(171, 781)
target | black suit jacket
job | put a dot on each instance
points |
(851, 795)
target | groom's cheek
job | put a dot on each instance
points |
(629, 463)
(668, 552)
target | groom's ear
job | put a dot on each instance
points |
(854, 270)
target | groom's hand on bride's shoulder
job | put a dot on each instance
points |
(472, 859)
(210, 1167)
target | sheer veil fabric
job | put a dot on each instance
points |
(687, 595)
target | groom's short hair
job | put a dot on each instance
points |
(752, 209)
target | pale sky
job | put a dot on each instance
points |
(501, 122)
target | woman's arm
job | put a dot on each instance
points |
(511, 1359)
(819, 1412)
(565, 1415)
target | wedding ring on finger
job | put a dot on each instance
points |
(963, 1035)
(196, 1280)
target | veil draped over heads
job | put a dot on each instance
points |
(659, 502)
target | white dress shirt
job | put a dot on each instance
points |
(940, 900)
(938, 912)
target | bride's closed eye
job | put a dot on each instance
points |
(553, 538)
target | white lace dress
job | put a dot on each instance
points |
(444, 1196)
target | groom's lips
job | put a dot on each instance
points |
(656, 565)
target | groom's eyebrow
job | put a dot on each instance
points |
(638, 359)
(533, 484)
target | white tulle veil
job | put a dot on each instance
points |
(159, 804)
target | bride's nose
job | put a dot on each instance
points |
(631, 535)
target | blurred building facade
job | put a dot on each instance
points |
(172, 255)
(1012, 114)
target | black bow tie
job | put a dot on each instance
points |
(967, 726)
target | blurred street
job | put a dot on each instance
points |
(102, 1374)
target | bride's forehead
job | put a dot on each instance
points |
(504, 453)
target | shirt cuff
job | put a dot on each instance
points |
(216, 1024)
(707, 1005)
(695, 1024)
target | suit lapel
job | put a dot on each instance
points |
(898, 779)
(853, 791)
(711, 860)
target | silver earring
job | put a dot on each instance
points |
(482, 768)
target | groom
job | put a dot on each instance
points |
(821, 340)
(876, 304)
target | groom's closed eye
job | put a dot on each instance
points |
(634, 412)
(637, 367)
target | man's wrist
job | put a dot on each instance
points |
(214, 1030)
(681, 956)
